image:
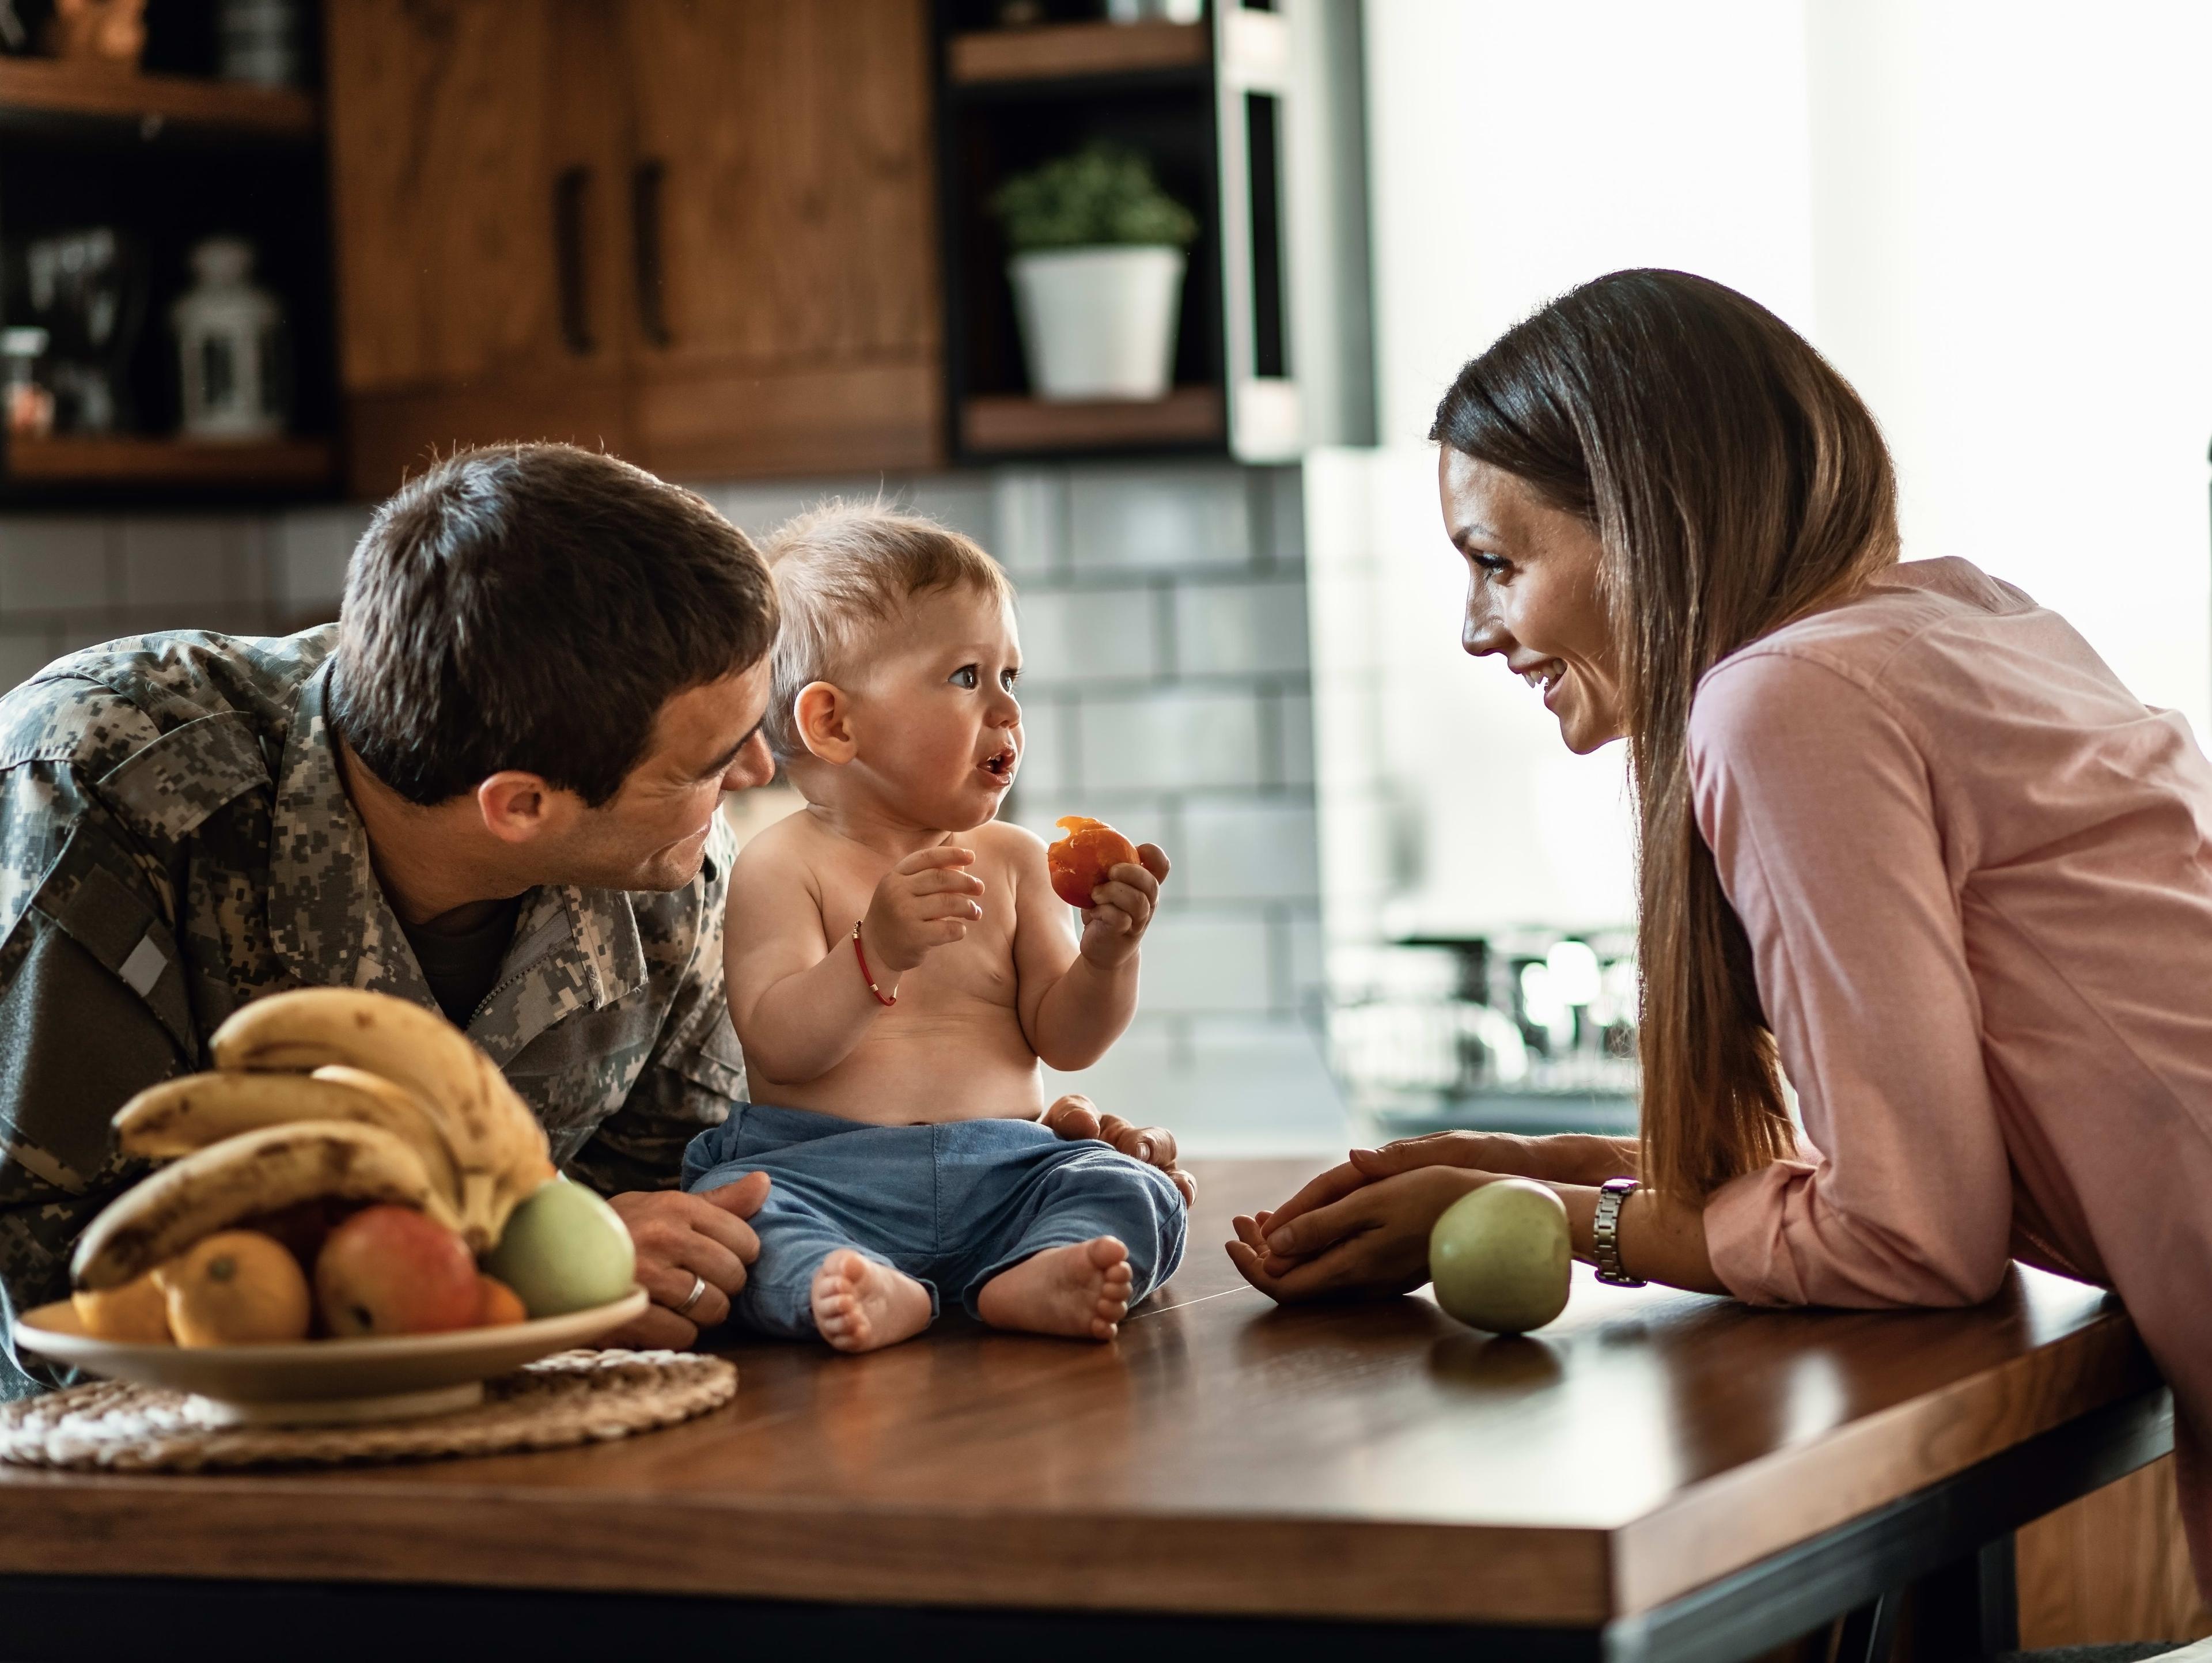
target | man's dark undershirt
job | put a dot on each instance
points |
(463, 968)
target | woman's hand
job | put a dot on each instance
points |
(1372, 1240)
(1566, 1160)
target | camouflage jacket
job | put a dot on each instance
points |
(175, 840)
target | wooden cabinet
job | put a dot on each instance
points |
(474, 145)
(698, 232)
(782, 197)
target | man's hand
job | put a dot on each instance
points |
(927, 901)
(681, 1237)
(1075, 1118)
(1121, 907)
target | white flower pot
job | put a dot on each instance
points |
(1098, 323)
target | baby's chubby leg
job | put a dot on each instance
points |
(1081, 1290)
(861, 1306)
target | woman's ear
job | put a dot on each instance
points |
(823, 715)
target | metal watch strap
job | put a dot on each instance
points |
(1605, 1232)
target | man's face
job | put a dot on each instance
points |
(651, 834)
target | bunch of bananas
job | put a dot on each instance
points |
(321, 1093)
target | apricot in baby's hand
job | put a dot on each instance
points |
(1086, 853)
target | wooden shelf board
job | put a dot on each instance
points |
(117, 459)
(1065, 51)
(1188, 415)
(49, 86)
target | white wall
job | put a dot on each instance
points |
(1991, 216)
(2013, 260)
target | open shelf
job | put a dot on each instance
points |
(1011, 424)
(1052, 52)
(290, 464)
(48, 87)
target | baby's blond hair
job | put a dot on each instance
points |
(844, 572)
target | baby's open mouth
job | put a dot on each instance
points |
(999, 763)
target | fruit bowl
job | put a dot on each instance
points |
(325, 1381)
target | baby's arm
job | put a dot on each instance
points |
(797, 996)
(1077, 1000)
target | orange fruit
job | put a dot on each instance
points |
(502, 1307)
(1087, 852)
(236, 1288)
(137, 1312)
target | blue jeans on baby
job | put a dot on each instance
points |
(952, 1204)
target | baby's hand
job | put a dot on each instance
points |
(925, 902)
(1124, 903)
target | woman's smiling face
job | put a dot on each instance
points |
(1533, 596)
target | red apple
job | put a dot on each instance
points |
(389, 1270)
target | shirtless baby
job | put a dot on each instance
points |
(898, 964)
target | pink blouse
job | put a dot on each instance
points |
(1977, 875)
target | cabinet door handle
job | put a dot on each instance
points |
(570, 187)
(645, 183)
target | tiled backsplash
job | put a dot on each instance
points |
(1165, 689)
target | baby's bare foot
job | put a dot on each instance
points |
(1081, 1292)
(862, 1306)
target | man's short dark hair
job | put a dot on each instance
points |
(534, 607)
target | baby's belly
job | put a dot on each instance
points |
(961, 1065)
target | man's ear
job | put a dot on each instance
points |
(519, 807)
(823, 713)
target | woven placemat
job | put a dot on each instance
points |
(575, 1396)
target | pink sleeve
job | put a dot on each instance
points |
(1818, 807)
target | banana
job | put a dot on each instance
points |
(494, 1135)
(255, 1172)
(179, 1116)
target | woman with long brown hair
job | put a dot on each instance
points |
(1903, 837)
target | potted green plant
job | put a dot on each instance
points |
(1097, 267)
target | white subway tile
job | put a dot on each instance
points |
(312, 547)
(22, 656)
(48, 562)
(1294, 739)
(1030, 514)
(74, 635)
(758, 509)
(961, 502)
(1300, 937)
(1206, 962)
(1156, 517)
(1072, 635)
(1143, 819)
(1171, 740)
(1226, 1086)
(1047, 763)
(1253, 851)
(1278, 508)
(1240, 629)
(192, 563)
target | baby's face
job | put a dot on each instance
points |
(935, 718)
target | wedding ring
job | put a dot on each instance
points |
(698, 1287)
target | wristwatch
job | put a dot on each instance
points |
(1605, 1233)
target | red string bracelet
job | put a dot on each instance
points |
(866, 975)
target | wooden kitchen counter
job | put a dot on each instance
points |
(1657, 1474)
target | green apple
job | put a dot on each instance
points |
(1499, 1258)
(564, 1249)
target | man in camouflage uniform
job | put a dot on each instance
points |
(177, 837)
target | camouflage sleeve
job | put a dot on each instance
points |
(695, 1073)
(92, 1010)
